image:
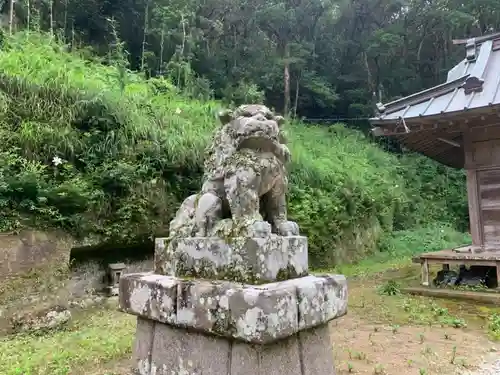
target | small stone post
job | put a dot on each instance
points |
(115, 270)
(237, 301)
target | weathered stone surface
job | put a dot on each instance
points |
(179, 352)
(316, 350)
(150, 295)
(320, 299)
(283, 357)
(249, 313)
(231, 295)
(248, 260)
(166, 350)
(262, 315)
(204, 305)
(45, 320)
(143, 346)
(245, 180)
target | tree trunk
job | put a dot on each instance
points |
(65, 26)
(11, 16)
(162, 46)
(143, 52)
(73, 35)
(28, 15)
(296, 101)
(286, 79)
(51, 17)
(369, 76)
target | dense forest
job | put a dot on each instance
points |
(106, 108)
(314, 58)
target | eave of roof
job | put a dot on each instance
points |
(472, 84)
(421, 121)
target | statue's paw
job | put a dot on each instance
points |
(260, 229)
(287, 156)
(288, 228)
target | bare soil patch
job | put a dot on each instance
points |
(362, 348)
(402, 334)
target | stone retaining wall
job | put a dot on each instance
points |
(28, 250)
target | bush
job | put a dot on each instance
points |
(103, 152)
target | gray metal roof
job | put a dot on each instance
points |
(472, 84)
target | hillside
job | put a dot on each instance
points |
(100, 151)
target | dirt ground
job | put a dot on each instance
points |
(402, 334)
(362, 348)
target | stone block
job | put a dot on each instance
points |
(204, 305)
(316, 351)
(257, 314)
(179, 352)
(161, 349)
(149, 295)
(282, 357)
(320, 299)
(263, 314)
(246, 260)
(141, 358)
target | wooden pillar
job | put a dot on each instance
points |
(498, 275)
(476, 229)
(425, 272)
(473, 197)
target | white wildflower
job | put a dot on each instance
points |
(56, 160)
(178, 111)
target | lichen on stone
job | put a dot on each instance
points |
(250, 313)
(245, 164)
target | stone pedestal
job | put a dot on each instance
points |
(245, 306)
(243, 259)
(163, 349)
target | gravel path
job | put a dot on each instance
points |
(490, 367)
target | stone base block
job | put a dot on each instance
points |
(258, 314)
(161, 349)
(247, 260)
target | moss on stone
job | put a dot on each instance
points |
(289, 273)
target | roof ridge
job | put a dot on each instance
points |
(477, 39)
(413, 98)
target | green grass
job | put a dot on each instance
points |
(400, 246)
(92, 340)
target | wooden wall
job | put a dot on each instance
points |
(482, 162)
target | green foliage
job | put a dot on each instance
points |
(494, 326)
(435, 191)
(93, 339)
(100, 151)
(390, 288)
(130, 151)
(396, 248)
(431, 238)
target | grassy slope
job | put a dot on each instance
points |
(132, 150)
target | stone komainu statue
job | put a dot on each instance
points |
(245, 180)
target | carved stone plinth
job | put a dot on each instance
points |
(248, 260)
(161, 349)
(219, 327)
(230, 293)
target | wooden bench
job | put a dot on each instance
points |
(451, 257)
